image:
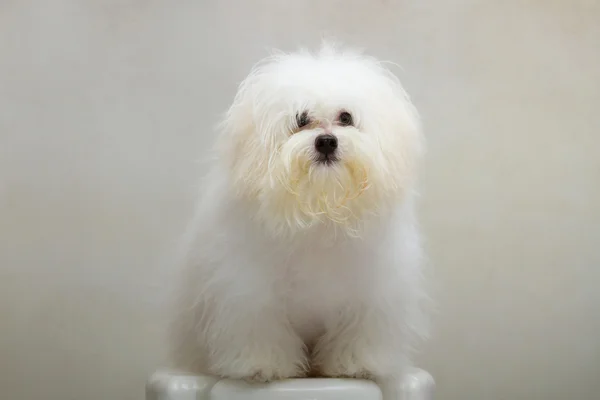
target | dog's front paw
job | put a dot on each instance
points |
(272, 373)
(264, 372)
(343, 365)
(354, 358)
(266, 366)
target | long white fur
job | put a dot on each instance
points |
(292, 266)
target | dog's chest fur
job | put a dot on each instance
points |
(321, 282)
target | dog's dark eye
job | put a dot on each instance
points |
(346, 119)
(302, 119)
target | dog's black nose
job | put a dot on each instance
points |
(326, 144)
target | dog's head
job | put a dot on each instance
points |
(326, 138)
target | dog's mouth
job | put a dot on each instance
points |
(327, 160)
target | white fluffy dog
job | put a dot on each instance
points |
(304, 256)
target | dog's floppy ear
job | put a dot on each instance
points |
(239, 145)
(402, 120)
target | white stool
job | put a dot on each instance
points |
(416, 385)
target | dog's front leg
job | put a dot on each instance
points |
(252, 341)
(363, 341)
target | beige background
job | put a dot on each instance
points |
(106, 105)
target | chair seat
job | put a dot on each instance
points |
(165, 385)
